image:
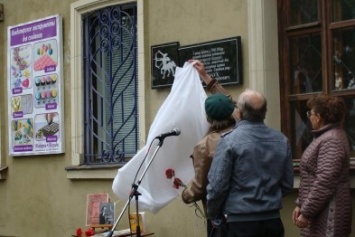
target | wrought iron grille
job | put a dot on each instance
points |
(110, 85)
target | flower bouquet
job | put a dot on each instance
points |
(177, 183)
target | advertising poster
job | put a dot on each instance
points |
(35, 87)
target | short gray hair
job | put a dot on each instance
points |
(252, 105)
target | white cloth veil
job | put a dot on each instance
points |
(182, 109)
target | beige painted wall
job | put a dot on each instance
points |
(38, 199)
(191, 22)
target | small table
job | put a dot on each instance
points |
(102, 226)
(125, 235)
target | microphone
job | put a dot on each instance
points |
(174, 132)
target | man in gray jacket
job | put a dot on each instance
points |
(250, 173)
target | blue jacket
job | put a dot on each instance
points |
(250, 173)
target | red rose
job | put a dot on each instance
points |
(177, 183)
(89, 232)
(170, 173)
(79, 232)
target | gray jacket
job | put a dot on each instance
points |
(250, 173)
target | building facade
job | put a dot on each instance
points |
(46, 194)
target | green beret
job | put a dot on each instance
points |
(218, 107)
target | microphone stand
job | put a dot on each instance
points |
(135, 193)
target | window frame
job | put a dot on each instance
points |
(325, 28)
(110, 108)
(79, 8)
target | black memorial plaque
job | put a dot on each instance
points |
(165, 58)
(222, 59)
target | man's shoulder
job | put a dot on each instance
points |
(226, 133)
(278, 135)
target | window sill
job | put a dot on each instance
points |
(3, 172)
(92, 172)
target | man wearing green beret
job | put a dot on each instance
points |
(219, 109)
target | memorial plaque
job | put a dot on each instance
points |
(222, 58)
(165, 58)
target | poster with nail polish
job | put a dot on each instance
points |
(35, 87)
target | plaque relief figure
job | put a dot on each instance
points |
(165, 64)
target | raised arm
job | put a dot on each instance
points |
(213, 85)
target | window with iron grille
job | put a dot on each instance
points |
(110, 85)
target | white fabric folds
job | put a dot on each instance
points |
(182, 109)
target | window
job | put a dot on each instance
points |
(317, 54)
(110, 84)
(100, 165)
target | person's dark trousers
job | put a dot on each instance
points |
(221, 231)
(264, 228)
(209, 228)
